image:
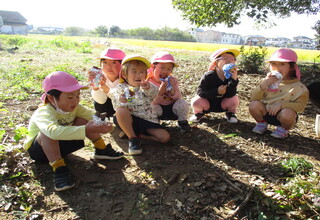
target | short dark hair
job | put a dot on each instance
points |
(55, 93)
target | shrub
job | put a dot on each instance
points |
(252, 60)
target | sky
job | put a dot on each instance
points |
(129, 14)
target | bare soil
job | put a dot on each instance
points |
(216, 171)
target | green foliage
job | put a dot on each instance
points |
(295, 166)
(74, 31)
(210, 13)
(101, 31)
(20, 133)
(252, 59)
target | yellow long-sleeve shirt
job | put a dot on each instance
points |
(291, 94)
(57, 126)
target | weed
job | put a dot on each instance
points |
(252, 60)
(295, 166)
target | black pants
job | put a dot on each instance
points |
(106, 107)
(314, 93)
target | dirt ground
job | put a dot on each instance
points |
(216, 171)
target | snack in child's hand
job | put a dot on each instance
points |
(226, 69)
(100, 118)
(95, 82)
(169, 86)
(275, 86)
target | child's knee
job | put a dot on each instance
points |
(165, 137)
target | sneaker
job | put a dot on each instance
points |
(62, 179)
(317, 125)
(135, 146)
(184, 125)
(231, 117)
(108, 153)
(280, 132)
(196, 117)
(260, 128)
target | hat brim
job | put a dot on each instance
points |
(167, 61)
(142, 59)
(280, 60)
(65, 89)
(233, 51)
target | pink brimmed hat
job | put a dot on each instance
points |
(112, 53)
(217, 53)
(286, 55)
(61, 81)
(163, 57)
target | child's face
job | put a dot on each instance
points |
(136, 74)
(162, 70)
(68, 101)
(282, 67)
(111, 68)
(225, 59)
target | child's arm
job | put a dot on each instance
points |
(208, 88)
(299, 104)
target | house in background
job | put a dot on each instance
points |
(12, 22)
(209, 36)
(277, 42)
(254, 40)
(302, 42)
(228, 38)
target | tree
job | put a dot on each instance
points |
(114, 31)
(316, 27)
(212, 12)
(101, 31)
(73, 31)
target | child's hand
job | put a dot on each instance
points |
(163, 87)
(123, 99)
(92, 127)
(222, 89)
(275, 109)
(103, 85)
(144, 84)
(234, 73)
(266, 82)
(91, 75)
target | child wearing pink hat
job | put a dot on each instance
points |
(279, 106)
(61, 124)
(132, 100)
(168, 104)
(110, 62)
(217, 91)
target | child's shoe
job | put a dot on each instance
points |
(62, 179)
(196, 117)
(184, 125)
(280, 132)
(108, 153)
(135, 146)
(260, 128)
(231, 117)
(317, 125)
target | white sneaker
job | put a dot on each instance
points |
(231, 117)
(196, 117)
(317, 125)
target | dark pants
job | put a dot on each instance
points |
(66, 147)
(314, 93)
(106, 107)
(140, 126)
